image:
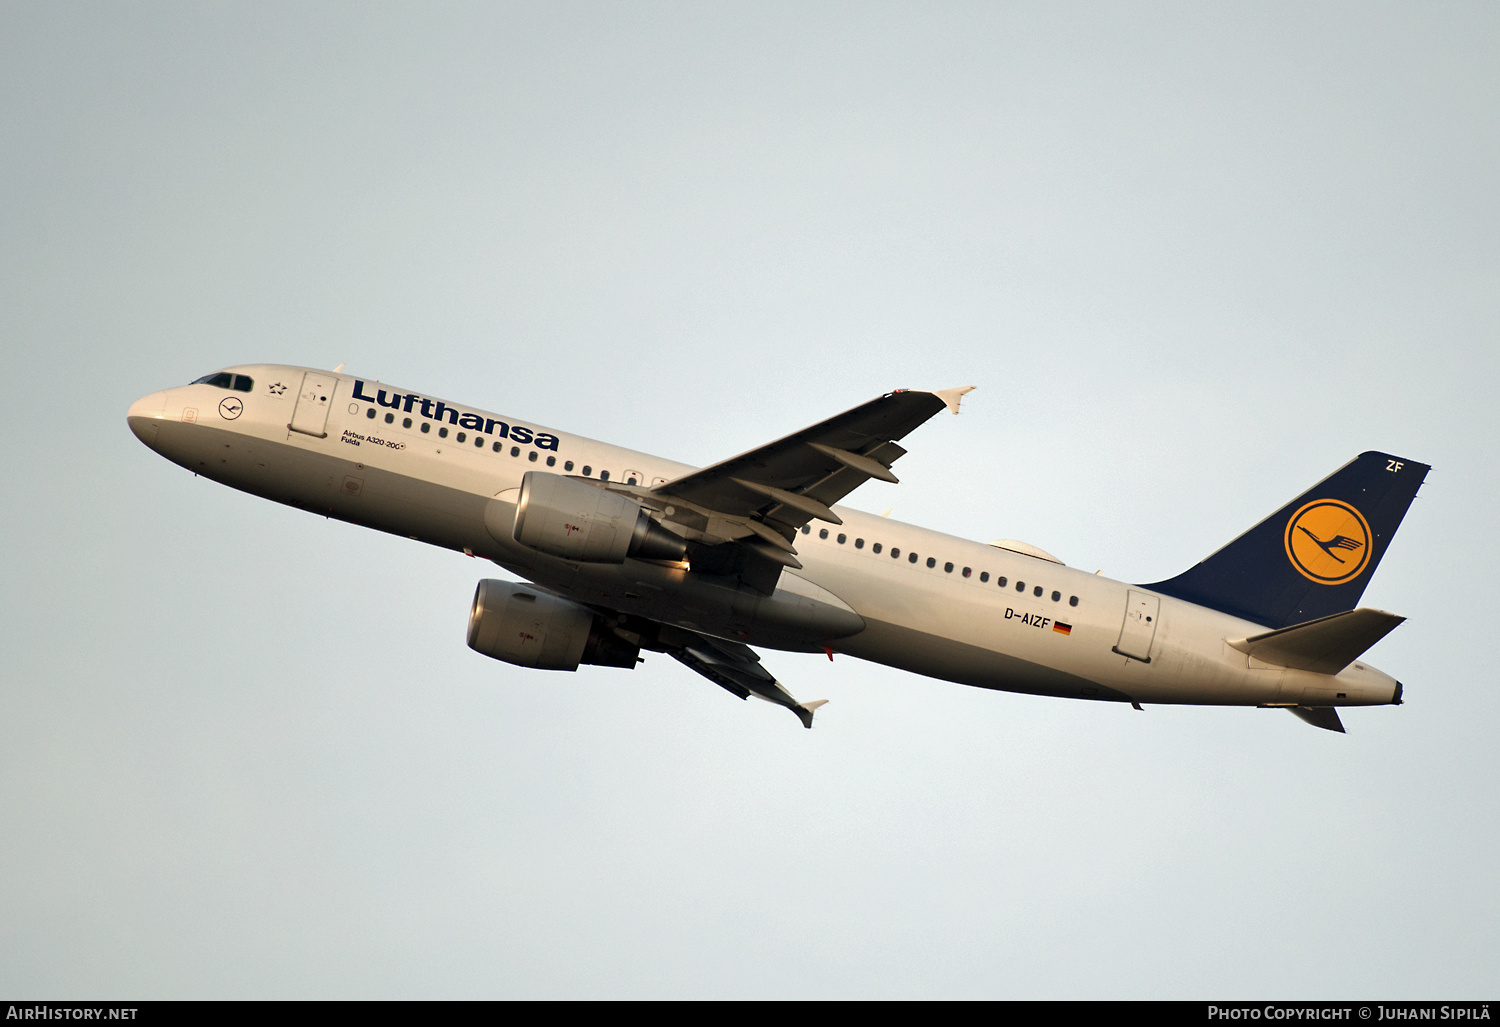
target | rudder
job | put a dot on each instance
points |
(1314, 556)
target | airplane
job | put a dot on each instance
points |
(623, 552)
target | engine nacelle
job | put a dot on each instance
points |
(523, 625)
(568, 518)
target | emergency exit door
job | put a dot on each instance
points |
(1139, 628)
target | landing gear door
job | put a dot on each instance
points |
(1139, 629)
(311, 415)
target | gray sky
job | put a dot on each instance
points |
(1194, 256)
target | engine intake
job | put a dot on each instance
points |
(574, 520)
(523, 625)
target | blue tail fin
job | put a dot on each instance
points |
(1314, 556)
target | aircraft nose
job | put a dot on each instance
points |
(144, 415)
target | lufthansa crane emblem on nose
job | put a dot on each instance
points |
(1328, 541)
(230, 408)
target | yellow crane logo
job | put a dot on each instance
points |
(1328, 541)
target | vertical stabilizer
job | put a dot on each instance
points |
(1314, 556)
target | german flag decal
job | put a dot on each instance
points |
(1061, 628)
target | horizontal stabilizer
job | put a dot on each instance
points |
(1325, 717)
(1324, 646)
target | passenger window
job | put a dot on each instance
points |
(984, 575)
(911, 558)
(531, 456)
(931, 562)
(1037, 591)
(807, 529)
(426, 427)
(822, 533)
(442, 433)
(843, 539)
(859, 543)
(370, 413)
(895, 554)
(604, 476)
(967, 571)
(515, 450)
(1020, 586)
(587, 470)
(479, 441)
(391, 419)
(461, 436)
(1072, 600)
(875, 548)
(567, 466)
(552, 461)
(1056, 596)
(406, 422)
(1000, 582)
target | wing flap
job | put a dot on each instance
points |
(1324, 646)
(798, 477)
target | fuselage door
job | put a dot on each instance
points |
(311, 415)
(1142, 611)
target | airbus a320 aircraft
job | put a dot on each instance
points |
(626, 552)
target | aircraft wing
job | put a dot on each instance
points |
(797, 478)
(736, 668)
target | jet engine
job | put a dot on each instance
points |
(568, 518)
(523, 625)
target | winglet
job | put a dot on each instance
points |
(805, 711)
(952, 396)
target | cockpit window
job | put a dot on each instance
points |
(225, 380)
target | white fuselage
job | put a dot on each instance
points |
(960, 624)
